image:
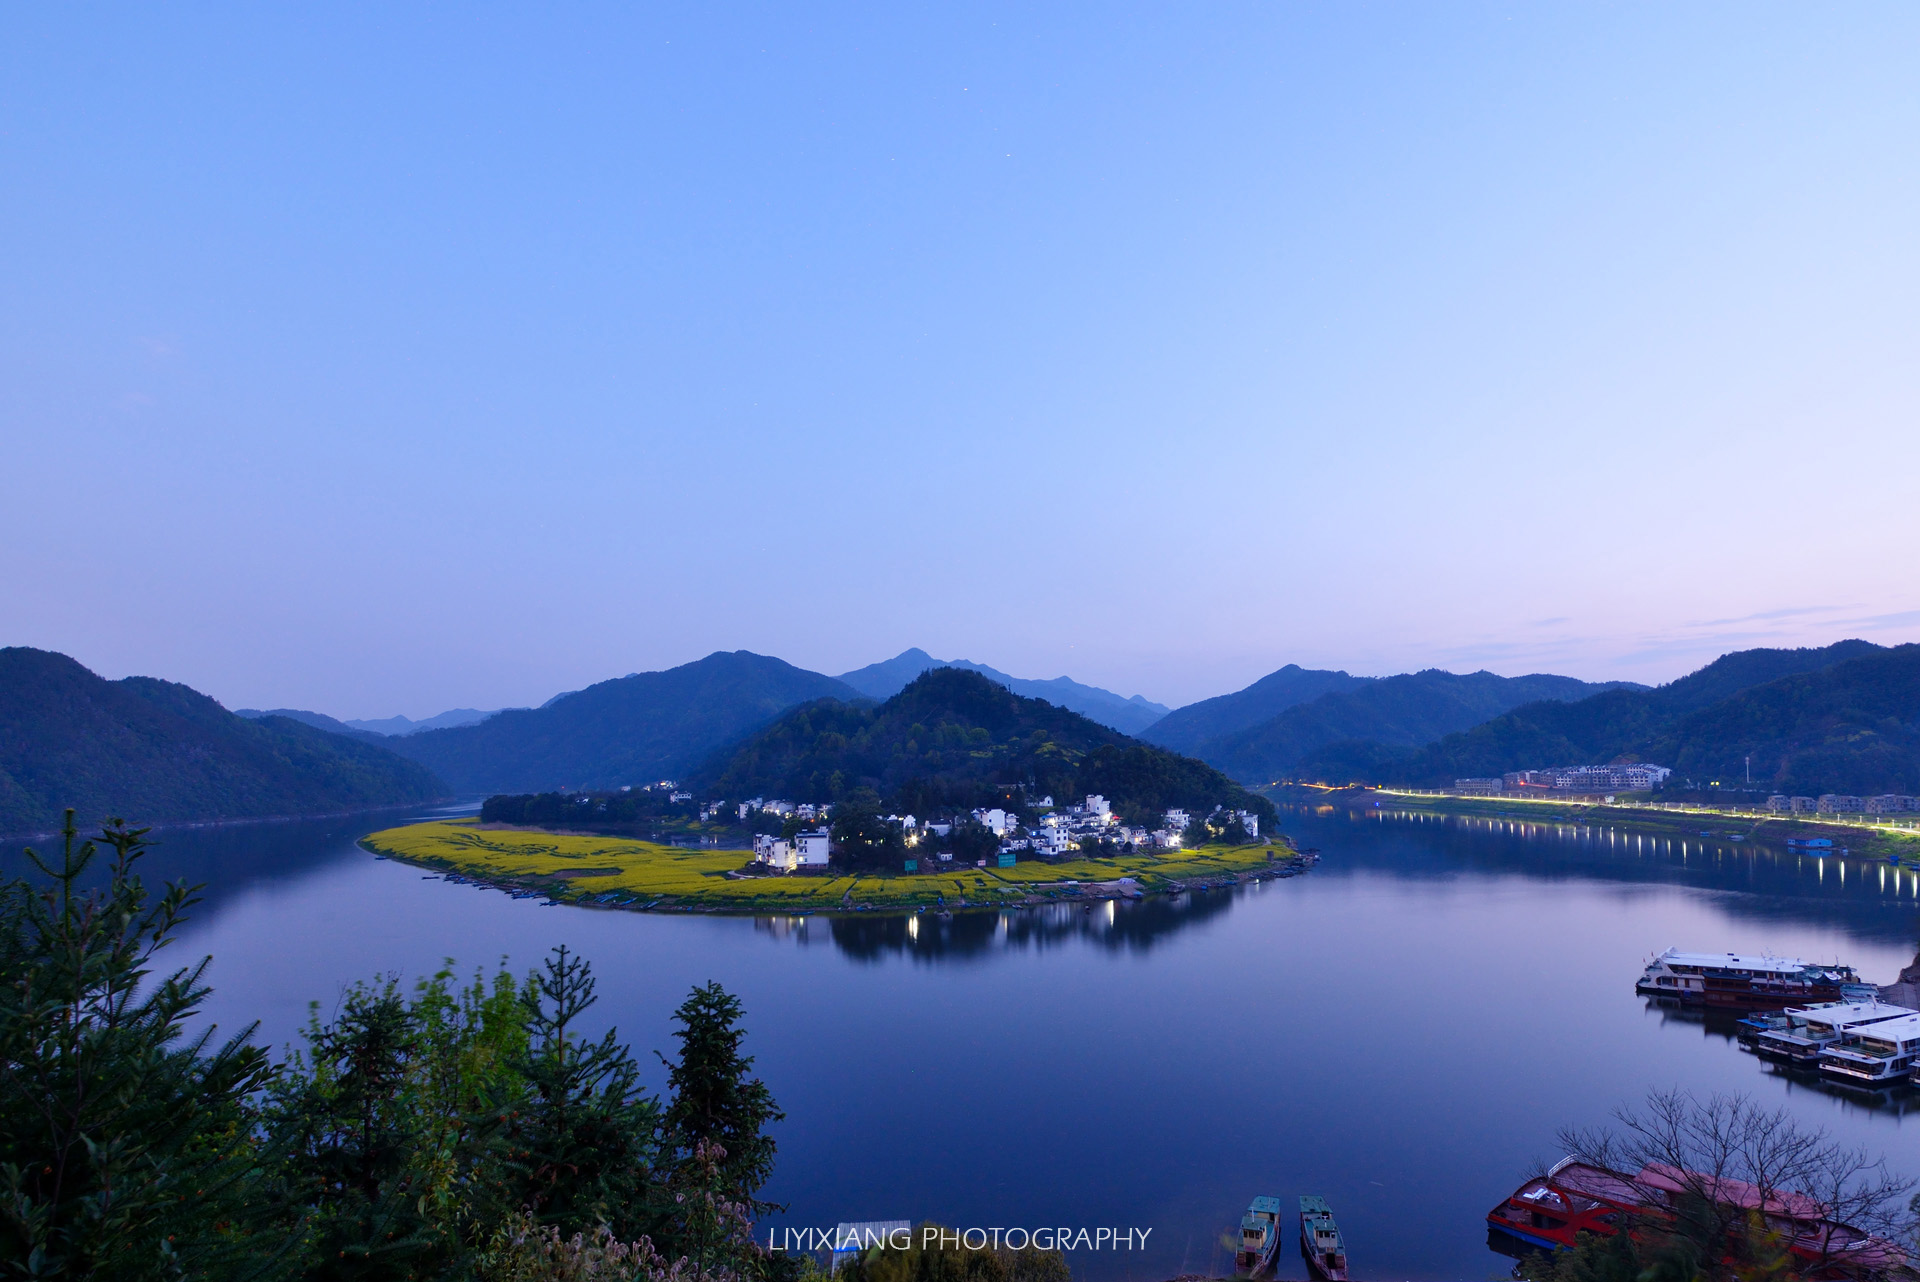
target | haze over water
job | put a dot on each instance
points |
(1401, 1031)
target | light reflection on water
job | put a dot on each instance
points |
(1402, 1030)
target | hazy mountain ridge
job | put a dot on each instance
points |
(632, 729)
(1403, 712)
(1129, 715)
(955, 738)
(1186, 728)
(153, 751)
(1840, 718)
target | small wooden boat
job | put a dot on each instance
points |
(1259, 1237)
(1320, 1243)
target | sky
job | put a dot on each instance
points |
(388, 358)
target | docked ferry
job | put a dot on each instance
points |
(1259, 1237)
(1548, 1212)
(1748, 981)
(1805, 1031)
(1877, 1055)
(1320, 1241)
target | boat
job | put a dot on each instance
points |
(1259, 1237)
(1320, 1244)
(1550, 1211)
(1876, 1055)
(1809, 1030)
(1748, 981)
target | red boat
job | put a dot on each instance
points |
(1548, 1213)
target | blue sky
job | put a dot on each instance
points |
(384, 359)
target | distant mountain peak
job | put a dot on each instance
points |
(1127, 714)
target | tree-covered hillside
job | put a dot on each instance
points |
(953, 740)
(1845, 718)
(649, 726)
(1401, 712)
(154, 751)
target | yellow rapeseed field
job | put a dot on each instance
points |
(628, 872)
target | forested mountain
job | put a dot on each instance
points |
(1127, 715)
(1403, 712)
(953, 740)
(1185, 729)
(154, 751)
(407, 725)
(1844, 718)
(318, 720)
(633, 729)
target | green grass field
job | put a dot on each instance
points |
(582, 868)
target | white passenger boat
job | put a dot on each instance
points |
(1877, 1055)
(1748, 981)
(1808, 1030)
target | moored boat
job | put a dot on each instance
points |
(1548, 1212)
(1748, 981)
(1808, 1030)
(1320, 1241)
(1259, 1237)
(1876, 1055)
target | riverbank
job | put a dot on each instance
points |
(1861, 840)
(616, 872)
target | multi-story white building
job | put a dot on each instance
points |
(775, 853)
(812, 848)
(1176, 821)
(1891, 803)
(1838, 803)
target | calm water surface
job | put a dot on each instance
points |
(1402, 1031)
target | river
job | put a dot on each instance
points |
(1401, 1031)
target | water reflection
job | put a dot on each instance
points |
(1130, 926)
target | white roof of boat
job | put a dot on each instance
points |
(1858, 1013)
(1732, 961)
(1893, 1029)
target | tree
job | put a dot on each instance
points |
(715, 1102)
(584, 1135)
(125, 1146)
(862, 836)
(1739, 1170)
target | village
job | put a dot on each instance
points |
(1054, 833)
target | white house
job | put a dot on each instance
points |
(1250, 821)
(996, 820)
(1177, 821)
(1098, 807)
(1833, 803)
(774, 853)
(811, 848)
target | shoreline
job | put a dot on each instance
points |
(1858, 840)
(628, 875)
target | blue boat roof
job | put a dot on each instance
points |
(1314, 1205)
(1264, 1205)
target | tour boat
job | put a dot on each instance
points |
(1259, 1237)
(1808, 1030)
(1748, 982)
(1548, 1212)
(1876, 1055)
(1320, 1243)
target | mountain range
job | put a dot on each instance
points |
(957, 739)
(887, 678)
(155, 751)
(1840, 718)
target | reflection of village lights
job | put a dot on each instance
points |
(913, 927)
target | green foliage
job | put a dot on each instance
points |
(954, 741)
(161, 751)
(862, 838)
(124, 1145)
(715, 1103)
(930, 1259)
(459, 1132)
(583, 1134)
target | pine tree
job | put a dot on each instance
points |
(125, 1146)
(715, 1102)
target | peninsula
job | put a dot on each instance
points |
(615, 872)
